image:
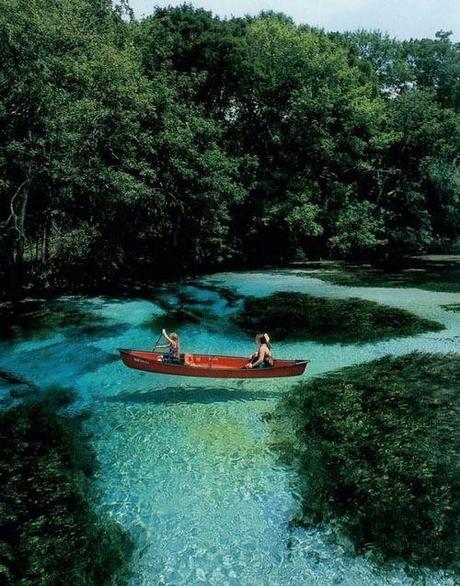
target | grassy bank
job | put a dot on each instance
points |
(297, 316)
(376, 451)
(50, 533)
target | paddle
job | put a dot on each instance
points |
(156, 343)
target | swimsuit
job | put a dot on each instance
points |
(173, 353)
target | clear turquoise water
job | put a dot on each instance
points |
(186, 464)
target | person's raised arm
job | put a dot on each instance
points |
(163, 331)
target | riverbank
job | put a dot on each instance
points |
(430, 272)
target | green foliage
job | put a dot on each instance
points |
(49, 531)
(183, 142)
(296, 316)
(357, 231)
(376, 447)
(398, 66)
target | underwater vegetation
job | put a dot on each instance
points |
(228, 293)
(184, 308)
(50, 532)
(298, 316)
(376, 448)
(431, 275)
(175, 317)
(41, 318)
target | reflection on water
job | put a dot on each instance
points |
(186, 464)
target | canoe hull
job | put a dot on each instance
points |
(210, 366)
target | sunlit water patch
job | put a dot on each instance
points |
(186, 464)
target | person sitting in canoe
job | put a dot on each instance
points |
(173, 353)
(262, 358)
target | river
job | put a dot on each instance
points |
(186, 465)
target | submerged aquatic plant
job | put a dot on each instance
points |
(50, 532)
(175, 318)
(297, 316)
(41, 318)
(451, 307)
(376, 448)
(442, 274)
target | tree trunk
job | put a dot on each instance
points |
(44, 254)
(20, 225)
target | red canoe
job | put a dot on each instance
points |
(209, 365)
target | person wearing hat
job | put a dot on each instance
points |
(262, 358)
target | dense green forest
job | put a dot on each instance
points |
(184, 142)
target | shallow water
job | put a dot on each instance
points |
(186, 464)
